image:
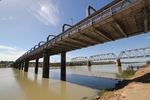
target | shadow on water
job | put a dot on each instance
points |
(83, 80)
(88, 81)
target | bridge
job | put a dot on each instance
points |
(128, 54)
(117, 20)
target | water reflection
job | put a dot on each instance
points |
(35, 90)
(29, 86)
(119, 69)
(19, 85)
(89, 68)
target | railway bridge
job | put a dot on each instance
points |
(127, 54)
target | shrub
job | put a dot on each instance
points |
(127, 73)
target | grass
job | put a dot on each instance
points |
(126, 74)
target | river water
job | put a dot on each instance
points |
(82, 83)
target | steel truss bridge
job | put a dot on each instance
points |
(134, 53)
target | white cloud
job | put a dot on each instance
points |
(7, 18)
(7, 47)
(8, 53)
(46, 11)
(148, 37)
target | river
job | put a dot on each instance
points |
(82, 83)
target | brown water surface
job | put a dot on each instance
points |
(19, 85)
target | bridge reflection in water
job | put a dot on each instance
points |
(19, 85)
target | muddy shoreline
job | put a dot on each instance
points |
(129, 89)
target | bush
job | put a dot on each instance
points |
(127, 73)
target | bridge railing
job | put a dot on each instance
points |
(94, 19)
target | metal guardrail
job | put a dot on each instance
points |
(124, 4)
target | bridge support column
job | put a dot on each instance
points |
(16, 65)
(63, 66)
(26, 65)
(89, 63)
(45, 64)
(118, 63)
(22, 65)
(36, 66)
(19, 66)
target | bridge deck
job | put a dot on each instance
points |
(115, 21)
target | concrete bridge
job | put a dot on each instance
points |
(128, 54)
(117, 20)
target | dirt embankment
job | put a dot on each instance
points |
(135, 88)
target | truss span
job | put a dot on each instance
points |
(135, 53)
(79, 59)
(107, 56)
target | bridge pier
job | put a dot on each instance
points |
(36, 66)
(89, 63)
(63, 66)
(19, 66)
(16, 65)
(118, 62)
(22, 65)
(45, 64)
(26, 65)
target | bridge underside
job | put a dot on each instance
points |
(126, 22)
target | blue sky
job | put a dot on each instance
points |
(24, 23)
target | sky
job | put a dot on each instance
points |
(24, 23)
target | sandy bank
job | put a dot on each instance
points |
(135, 88)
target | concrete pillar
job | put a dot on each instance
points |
(22, 65)
(118, 63)
(19, 67)
(88, 63)
(16, 65)
(71, 64)
(63, 66)
(36, 66)
(45, 64)
(26, 65)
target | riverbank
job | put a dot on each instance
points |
(136, 87)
